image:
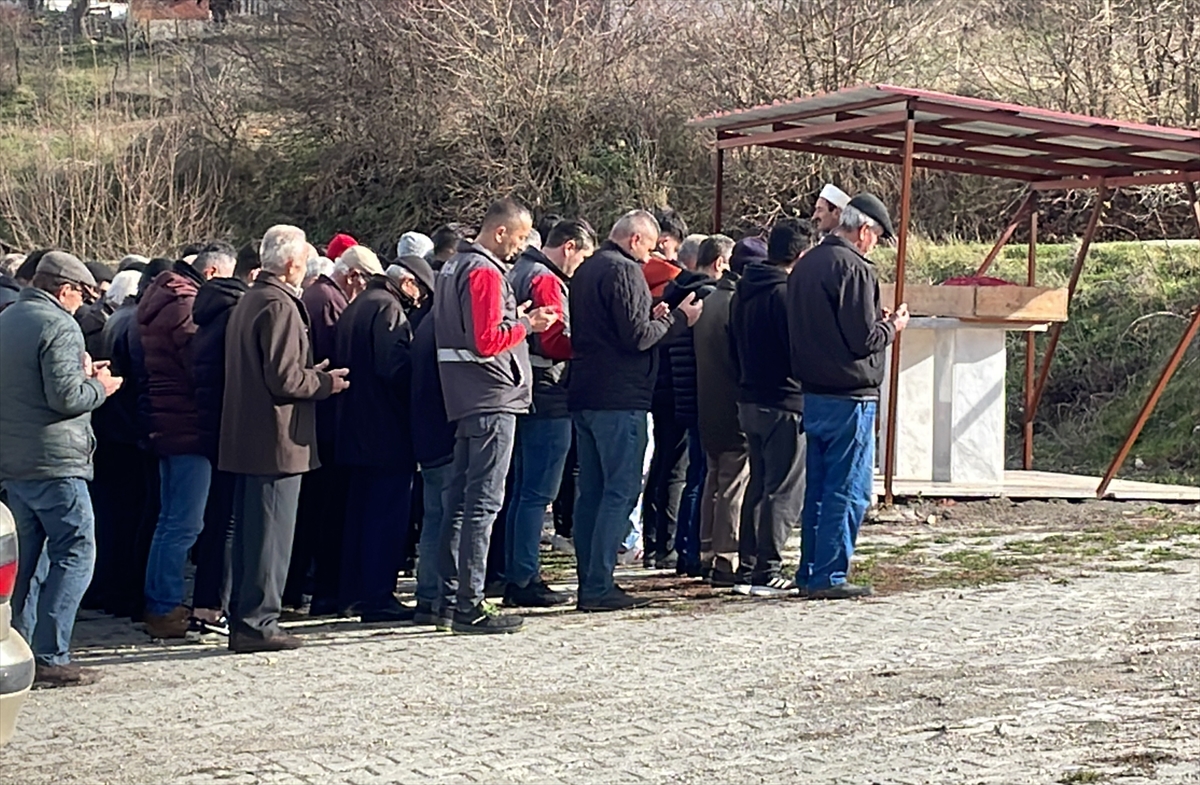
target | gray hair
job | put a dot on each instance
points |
(212, 260)
(319, 265)
(280, 245)
(854, 219)
(634, 222)
(124, 285)
(10, 262)
(689, 249)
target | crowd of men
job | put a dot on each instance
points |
(296, 422)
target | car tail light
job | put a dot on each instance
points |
(8, 565)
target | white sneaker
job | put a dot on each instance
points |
(776, 587)
(631, 556)
(741, 588)
(562, 544)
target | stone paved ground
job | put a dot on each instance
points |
(1048, 660)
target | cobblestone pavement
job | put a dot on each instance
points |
(1039, 680)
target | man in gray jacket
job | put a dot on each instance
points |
(50, 387)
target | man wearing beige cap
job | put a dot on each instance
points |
(50, 387)
(828, 210)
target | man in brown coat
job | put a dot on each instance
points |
(268, 434)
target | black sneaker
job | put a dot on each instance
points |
(390, 610)
(425, 616)
(536, 595)
(615, 600)
(485, 619)
(200, 630)
(842, 591)
(723, 580)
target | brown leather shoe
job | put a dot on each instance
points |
(48, 677)
(171, 625)
(241, 643)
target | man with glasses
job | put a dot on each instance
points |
(50, 387)
(839, 332)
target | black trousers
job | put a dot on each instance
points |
(315, 566)
(664, 484)
(118, 493)
(375, 538)
(212, 550)
(133, 582)
(564, 504)
(265, 523)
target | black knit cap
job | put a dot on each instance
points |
(870, 206)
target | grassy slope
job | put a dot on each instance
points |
(1128, 315)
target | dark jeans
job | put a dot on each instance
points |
(564, 503)
(776, 491)
(262, 542)
(375, 538)
(482, 453)
(437, 482)
(841, 469)
(118, 494)
(214, 546)
(687, 531)
(612, 446)
(541, 450)
(183, 483)
(317, 551)
(54, 516)
(664, 485)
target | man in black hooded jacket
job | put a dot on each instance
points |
(770, 409)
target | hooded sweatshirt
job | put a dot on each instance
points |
(758, 319)
(214, 302)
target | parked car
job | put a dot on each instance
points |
(16, 660)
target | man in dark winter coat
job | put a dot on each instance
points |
(317, 546)
(374, 444)
(724, 444)
(483, 360)
(268, 434)
(166, 328)
(544, 435)
(770, 410)
(679, 356)
(839, 333)
(615, 330)
(214, 304)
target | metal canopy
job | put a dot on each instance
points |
(966, 135)
(1047, 150)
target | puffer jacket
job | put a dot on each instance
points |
(210, 312)
(45, 419)
(681, 349)
(166, 328)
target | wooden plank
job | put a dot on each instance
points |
(925, 300)
(1021, 303)
(1041, 485)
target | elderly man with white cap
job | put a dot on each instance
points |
(50, 387)
(828, 210)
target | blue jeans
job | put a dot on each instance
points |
(611, 446)
(538, 459)
(183, 490)
(437, 481)
(54, 521)
(687, 531)
(841, 469)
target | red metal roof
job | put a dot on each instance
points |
(968, 135)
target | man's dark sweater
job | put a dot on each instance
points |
(835, 319)
(758, 321)
(613, 334)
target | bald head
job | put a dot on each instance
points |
(637, 232)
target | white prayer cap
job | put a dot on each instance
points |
(835, 196)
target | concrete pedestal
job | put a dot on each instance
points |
(950, 415)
